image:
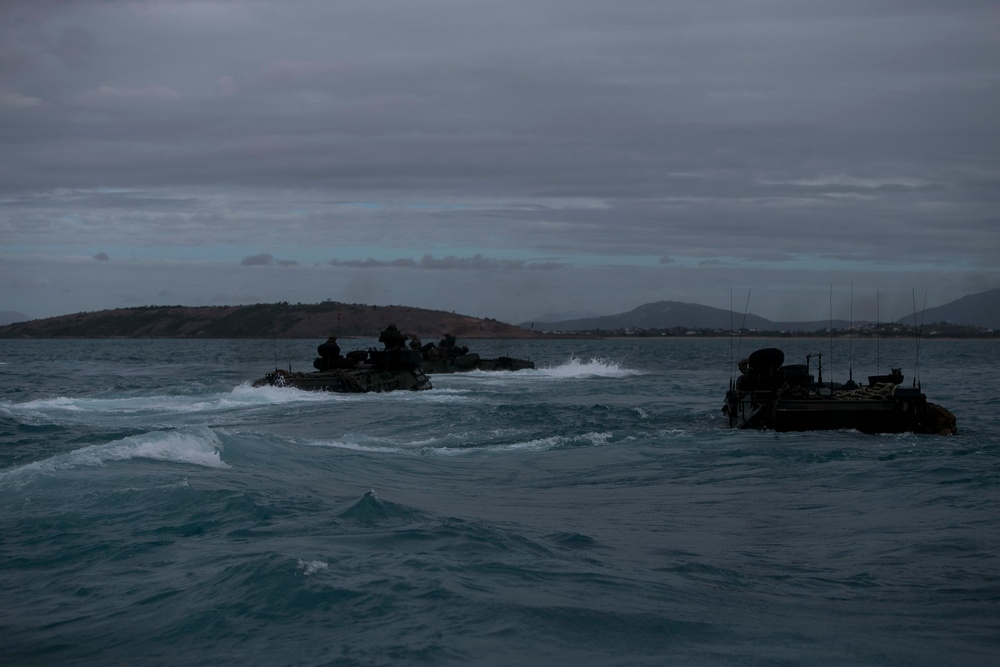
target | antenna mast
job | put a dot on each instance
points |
(732, 361)
(850, 344)
(919, 331)
(743, 325)
(878, 332)
(830, 364)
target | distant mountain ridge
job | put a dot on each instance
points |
(11, 316)
(677, 314)
(659, 315)
(359, 320)
(977, 310)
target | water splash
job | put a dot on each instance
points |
(575, 367)
(312, 567)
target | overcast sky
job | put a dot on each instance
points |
(499, 159)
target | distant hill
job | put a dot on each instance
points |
(358, 320)
(263, 321)
(978, 310)
(11, 316)
(663, 315)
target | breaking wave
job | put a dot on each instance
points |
(198, 446)
(575, 367)
(458, 445)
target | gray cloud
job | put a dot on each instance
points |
(371, 263)
(451, 262)
(263, 259)
(266, 259)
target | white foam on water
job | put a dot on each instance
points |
(553, 442)
(312, 567)
(198, 446)
(575, 367)
(76, 409)
(358, 447)
(457, 445)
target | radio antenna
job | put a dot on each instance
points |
(743, 326)
(850, 344)
(732, 361)
(919, 331)
(830, 363)
(878, 333)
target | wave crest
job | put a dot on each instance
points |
(198, 446)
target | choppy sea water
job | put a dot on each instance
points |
(156, 509)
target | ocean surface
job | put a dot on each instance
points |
(155, 509)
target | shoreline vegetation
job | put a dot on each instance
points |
(309, 321)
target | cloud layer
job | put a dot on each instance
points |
(543, 156)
